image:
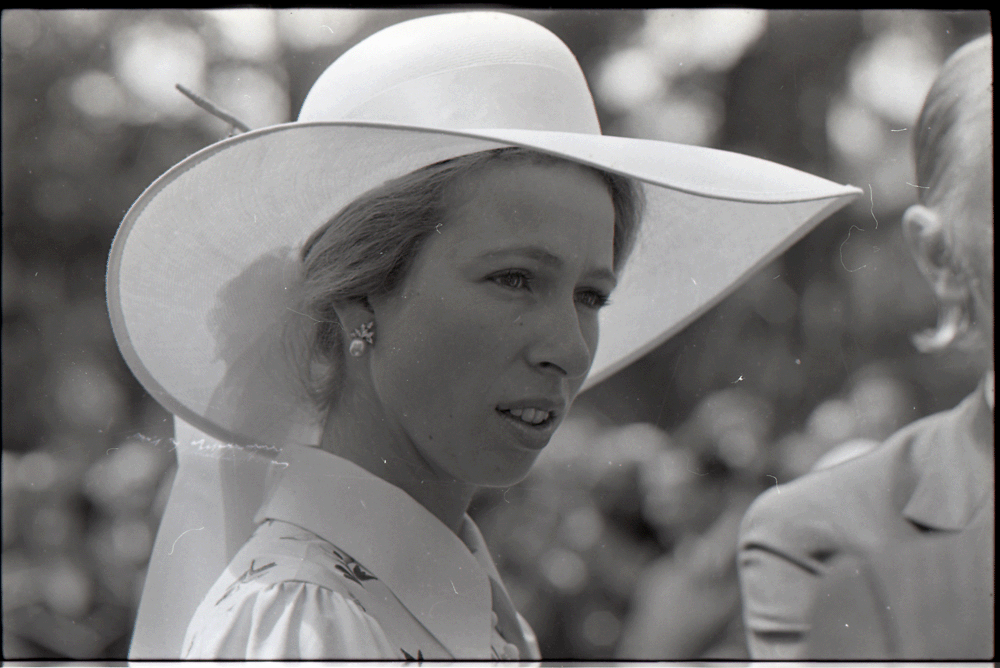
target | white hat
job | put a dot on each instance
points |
(201, 270)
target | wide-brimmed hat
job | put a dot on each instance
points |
(203, 268)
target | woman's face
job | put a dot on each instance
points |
(485, 343)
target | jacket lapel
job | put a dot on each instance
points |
(953, 464)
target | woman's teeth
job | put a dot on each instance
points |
(530, 415)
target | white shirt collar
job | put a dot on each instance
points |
(430, 570)
(990, 389)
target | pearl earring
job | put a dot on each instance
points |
(361, 338)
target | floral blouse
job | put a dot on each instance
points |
(346, 566)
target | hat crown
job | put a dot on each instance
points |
(471, 70)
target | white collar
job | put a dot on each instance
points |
(430, 570)
(990, 389)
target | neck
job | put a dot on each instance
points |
(358, 430)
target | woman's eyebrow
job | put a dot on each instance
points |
(603, 274)
(549, 259)
(532, 252)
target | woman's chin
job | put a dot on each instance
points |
(508, 473)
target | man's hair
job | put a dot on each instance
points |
(953, 141)
(959, 102)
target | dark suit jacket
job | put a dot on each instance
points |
(886, 556)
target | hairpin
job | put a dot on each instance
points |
(214, 109)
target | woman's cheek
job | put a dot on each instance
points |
(590, 325)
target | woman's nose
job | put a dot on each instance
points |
(561, 345)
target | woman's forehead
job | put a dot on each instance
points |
(501, 179)
(553, 199)
(560, 212)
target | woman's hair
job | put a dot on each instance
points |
(369, 246)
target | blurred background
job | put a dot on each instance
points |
(622, 539)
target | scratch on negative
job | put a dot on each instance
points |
(453, 586)
(871, 196)
(844, 264)
(179, 537)
(305, 315)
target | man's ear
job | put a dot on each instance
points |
(932, 246)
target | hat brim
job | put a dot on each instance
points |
(201, 269)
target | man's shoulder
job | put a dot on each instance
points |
(830, 491)
(860, 492)
(864, 476)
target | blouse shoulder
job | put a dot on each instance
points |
(281, 599)
(286, 620)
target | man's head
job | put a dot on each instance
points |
(950, 231)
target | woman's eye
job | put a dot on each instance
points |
(515, 280)
(592, 298)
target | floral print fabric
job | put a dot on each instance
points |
(344, 565)
(289, 594)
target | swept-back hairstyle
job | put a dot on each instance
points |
(954, 138)
(368, 247)
(960, 99)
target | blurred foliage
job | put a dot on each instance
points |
(621, 539)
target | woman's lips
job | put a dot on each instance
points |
(532, 425)
(532, 416)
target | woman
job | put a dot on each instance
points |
(402, 292)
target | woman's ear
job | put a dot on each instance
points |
(353, 313)
(933, 247)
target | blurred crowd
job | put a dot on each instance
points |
(77, 532)
(622, 539)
